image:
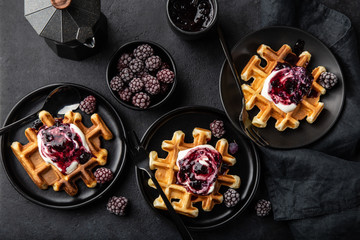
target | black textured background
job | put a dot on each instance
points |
(27, 63)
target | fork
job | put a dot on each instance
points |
(141, 160)
(244, 120)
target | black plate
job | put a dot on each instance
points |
(247, 166)
(275, 37)
(49, 198)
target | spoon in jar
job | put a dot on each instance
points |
(59, 101)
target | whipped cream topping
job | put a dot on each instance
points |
(198, 169)
(64, 146)
(286, 86)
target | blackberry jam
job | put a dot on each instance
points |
(198, 169)
(190, 17)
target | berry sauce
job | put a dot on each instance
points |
(63, 145)
(288, 85)
(198, 169)
(190, 17)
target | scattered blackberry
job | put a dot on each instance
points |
(299, 47)
(143, 51)
(164, 88)
(116, 84)
(232, 197)
(37, 124)
(141, 100)
(136, 85)
(126, 74)
(152, 86)
(164, 65)
(327, 80)
(124, 61)
(136, 65)
(103, 175)
(152, 63)
(233, 148)
(263, 208)
(88, 105)
(217, 128)
(117, 205)
(165, 76)
(125, 94)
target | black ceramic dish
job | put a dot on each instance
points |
(191, 35)
(49, 198)
(112, 71)
(275, 37)
(247, 166)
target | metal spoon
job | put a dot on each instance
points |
(64, 96)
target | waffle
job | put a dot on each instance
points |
(44, 174)
(166, 170)
(309, 107)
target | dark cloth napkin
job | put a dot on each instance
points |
(318, 187)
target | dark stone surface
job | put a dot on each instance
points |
(27, 63)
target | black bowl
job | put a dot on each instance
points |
(188, 35)
(112, 71)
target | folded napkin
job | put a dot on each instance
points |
(318, 187)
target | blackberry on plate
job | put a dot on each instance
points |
(231, 197)
(152, 63)
(141, 100)
(124, 61)
(126, 74)
(37, 124)
(233, 148)
(136, 85)
(152, 86)
(117, 205)
(125, 94)
(165, 76)
(217, 128)
(327, 80)
(143, 51)
(136, 65)
(116, 84)
(103, 175)
(88, 105)
(263, 208)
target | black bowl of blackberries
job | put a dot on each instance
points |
(192, 19)
(141, 75)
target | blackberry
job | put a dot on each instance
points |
(143, 51)
(152, 63)
(147, 77)
(117, 205)
(263, 208)
(327, 80)
(141, 100)
(116, 84)
(165, 76)
(136, 85)
(231, 197)
(37, 124)
(141, 74)
(152, 86)
(233, 148)
(217, 128)
(103, 175)
(125, 94)
(126, 74)
(164, 65)
(124, 61)
(88, 105)
(136, 65)
(299, 47)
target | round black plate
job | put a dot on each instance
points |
(247, 166)
(275, 37)
(49, 198)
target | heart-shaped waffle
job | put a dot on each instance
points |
(166, 171)
(44, 174)
(309, 107)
